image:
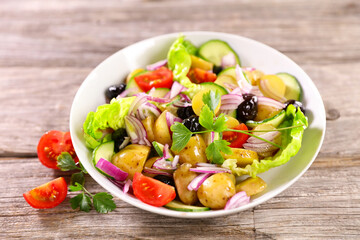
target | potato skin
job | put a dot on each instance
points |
(161, 130)
(216, 191)
(194, 151)
(242, 156)
(251, 186)
(149, 126)
(131, 159)
(182, 177)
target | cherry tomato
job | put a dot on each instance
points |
(160, 78)
(51, 145)
(48, 195)
(152, 191)
(198, 75)
(236, 139)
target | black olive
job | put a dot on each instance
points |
(165, 179)
(114, 91)
(296, 104)
(192, 123)
(247, 110)
(185, 112)
(118, 137)
(217, 69)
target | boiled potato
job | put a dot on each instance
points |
(231, 122)
(182, 178)
(216, 191)
(197, 62)
(254, 76)
(149, 126)
(251, 186)
(161, 130)
(265, 112)
(131, 159)
(194, 151)
(243, 156)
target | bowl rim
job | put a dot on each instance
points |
(172, 213)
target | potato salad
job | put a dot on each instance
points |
(192, 132)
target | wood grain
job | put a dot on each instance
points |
(47, 48)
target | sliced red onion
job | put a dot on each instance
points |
(249, 69)
(260, 147)
(171, 119)
(232, 96)
(124, 93)
(236, 91)
(267, 136)
(182, 104)
(210, 170)
(152, 90)
(230, 101)
(156, 171)
(238, 200)
(195, 184)
(256, 91)
(176, 89)
(230, 86)
(228, 60)
(136, 131)
(270, 102)
(119, 184)
(147, 109)
(124, 143)
(175, 161)
(158, 100)
(140, 99)
(163, 164)
(225, 112)
(244, 85)
(206, 165)
(212, 137)
(166, 152)
(184, 97)
(156, 65)
(127, 186)
(111, 170)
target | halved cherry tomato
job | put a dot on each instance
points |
(236, 139)
(51, 145)
(48, 195)
(152, 191)
(160, 78)
(198, 75)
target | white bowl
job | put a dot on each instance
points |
(253, 54)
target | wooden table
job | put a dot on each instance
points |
(47, 48)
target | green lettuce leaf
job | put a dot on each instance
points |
(179, 62)
(106, 116)
(291, 141)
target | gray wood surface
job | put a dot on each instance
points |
(47, 48)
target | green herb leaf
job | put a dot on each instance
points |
(213, 151)
(212, 99)
(77, 178)
(206, 117)
(83, 201)
(181, 136)
(220, 124)
(65, 162)
(75, 188)
(103, 202)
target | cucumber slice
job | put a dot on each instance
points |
(105, 151)
(159, 92)
(159, 148)
(132, 85)
(213, 86)
(228, 71)
(214, 50)
(275, 120)
(293, 88)
(178, 206)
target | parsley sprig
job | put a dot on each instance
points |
(85, 201)
(207, 119)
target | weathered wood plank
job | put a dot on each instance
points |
(52, 34)
(330, 210)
